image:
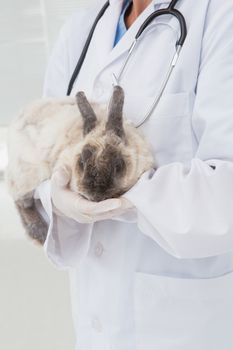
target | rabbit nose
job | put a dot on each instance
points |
(98, 182)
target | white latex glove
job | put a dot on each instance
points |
(70, 204)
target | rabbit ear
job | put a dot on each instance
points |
(87, 112)
(115, 116)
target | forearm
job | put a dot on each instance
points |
(190, 213)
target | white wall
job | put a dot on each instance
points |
(28, 29)
(35, 311)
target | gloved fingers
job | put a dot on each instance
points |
(82, 218)
(56, 210)
(73, 205)
(105, 216)
(61, 176)
(97, 208)
(112, 214)
(63, 199)
(126, 204)
(63, 205)
(109, 215)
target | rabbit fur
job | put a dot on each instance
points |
(104, 152)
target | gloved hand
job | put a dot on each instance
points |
(72, 205)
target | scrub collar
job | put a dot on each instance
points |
(121, 27)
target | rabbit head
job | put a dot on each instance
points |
(112, 155)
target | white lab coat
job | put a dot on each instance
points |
(161, 279)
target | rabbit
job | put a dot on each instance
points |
(105, 153)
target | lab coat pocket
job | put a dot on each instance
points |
(180, 314)
(170, 105)
(169, 128)
(175, 105)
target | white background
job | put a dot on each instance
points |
(28, 29)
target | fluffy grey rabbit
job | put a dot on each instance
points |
(106, 154)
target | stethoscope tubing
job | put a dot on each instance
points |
(162, 12)
(167, 11)
(85, 49)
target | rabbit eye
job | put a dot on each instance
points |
(87, 152)
(81, 163)
(85, 156)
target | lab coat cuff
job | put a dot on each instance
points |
(135, 194)
(129, 216)
(68, 241)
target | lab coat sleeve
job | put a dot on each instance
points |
(189, 212)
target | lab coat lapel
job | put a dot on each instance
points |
(127, 40)
(100, 46)
(104, 35)
(125, 43)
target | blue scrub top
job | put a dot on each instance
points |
(121, 27)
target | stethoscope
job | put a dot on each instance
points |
(170, 10)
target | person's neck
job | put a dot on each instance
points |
(136, 9)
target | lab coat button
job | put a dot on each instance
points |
(99, 249)
(96, 325)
